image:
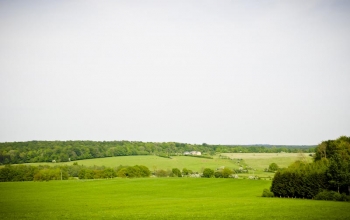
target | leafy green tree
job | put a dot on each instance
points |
(81, 173)
(185, 171)
(218, 174)
(226, 172)
(273, 167)
(338, 173)
(143, 171)
(176, 172)
(161, 173)
(302, 180)
(122, 172)
(89, 174)
(208, 173)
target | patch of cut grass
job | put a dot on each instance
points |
(157, 198)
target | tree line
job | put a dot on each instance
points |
(328, 176)
(11, 173)
(63, 151)
(15, 173)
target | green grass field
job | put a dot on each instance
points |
(263, 160)
(154, 162)
(258, 161)
(157, 198)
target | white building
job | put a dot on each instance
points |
(193, 153)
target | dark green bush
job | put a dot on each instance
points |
(207, 173)
(345, 197)
(267, 193)
(218, 174)
(176, 172)
(331, 195)
(161, 173)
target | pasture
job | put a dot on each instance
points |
(157, 198)
(263, 160)
(256, 161)
(260, 161)
(154, 162)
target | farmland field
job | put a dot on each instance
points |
(157, 198)
(258, 161)
(262, 160)
(155, 162)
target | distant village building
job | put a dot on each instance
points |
(193, 153)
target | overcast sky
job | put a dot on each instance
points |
(216, 72)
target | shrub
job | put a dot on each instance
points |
(161, 173)
(207, 172)
(267, 193)
(273, 167)
(226, 172)
(176, 172)
(331, 195)
(186, 172)
(344, 197)
(134, 171)
(218, 174)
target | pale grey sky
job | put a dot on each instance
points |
(219, 72)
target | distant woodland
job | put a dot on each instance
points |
(63, 151)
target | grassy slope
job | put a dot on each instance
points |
(157, 198)
(155, 162)
(258, 161)
(263, 160)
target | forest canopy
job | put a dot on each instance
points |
(330, 171)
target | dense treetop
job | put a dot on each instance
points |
(329, 171)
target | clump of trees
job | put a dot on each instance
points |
(223, 173)
(220, 173)
(11, 173)
(208, 173)
(273, 167)
(331, 195)
(186, 172)
(18, 173)
(133, 171)
(330, 171)
(161, 173)
(175, 172)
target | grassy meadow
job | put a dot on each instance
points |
(155, 162)
(157, 198)
(258, 161)
(164, 198)
(263, 160)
